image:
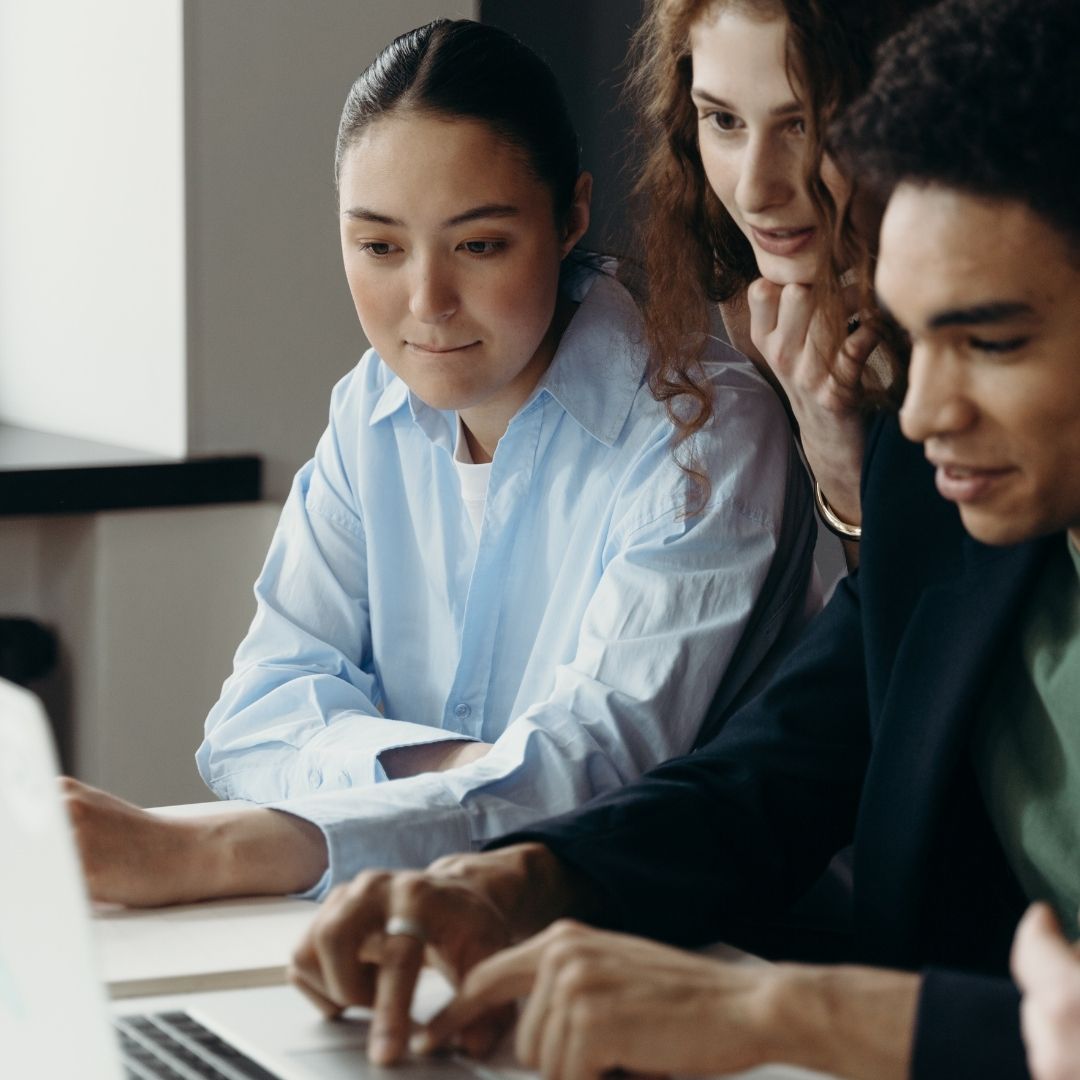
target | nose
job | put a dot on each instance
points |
(768, 176)
(936, 403)
(433, 295)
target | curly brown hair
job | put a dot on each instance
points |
(691, 251)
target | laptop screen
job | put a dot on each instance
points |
(53, 1016)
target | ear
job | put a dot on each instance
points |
(577, 221)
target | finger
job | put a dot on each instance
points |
(552, 1030)
(328, 1008)
(588, 1052)
(844, 386)
(331, 952)
(1040, 952)
(763, 299)
(494, 982)
(529, 1037)
(785, 346)
(402, 958)
(794, 316)
(480, 1038)
(859, 345)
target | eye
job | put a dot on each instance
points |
(377, 249)
(1001, 345)
(722, 120)
(483, 248)
(798, 126)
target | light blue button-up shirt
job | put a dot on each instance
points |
(584, 632)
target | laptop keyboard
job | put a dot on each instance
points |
(173, 1046)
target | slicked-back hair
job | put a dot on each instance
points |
(464, 70)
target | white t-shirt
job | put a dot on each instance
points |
(474, 479)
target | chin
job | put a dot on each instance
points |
(446, 397)
(783, 271)
(441, 399)
(1000, 531)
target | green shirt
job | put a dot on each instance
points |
(1027, 743)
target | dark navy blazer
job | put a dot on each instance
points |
(863, 737)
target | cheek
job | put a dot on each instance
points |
(722, 175)
(521, 298)
(375, 305)
(364, 287)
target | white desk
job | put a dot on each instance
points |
(221, 944)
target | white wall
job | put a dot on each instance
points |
(92, 307)
(170, 277)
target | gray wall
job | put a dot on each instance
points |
(271, 327)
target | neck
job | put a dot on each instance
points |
(486, 423)
(477, 451)
(1074, 537)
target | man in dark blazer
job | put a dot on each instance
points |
(904, 721)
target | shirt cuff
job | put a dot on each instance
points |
(967, 1025)
(404, 824)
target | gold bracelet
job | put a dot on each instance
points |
(837, 526)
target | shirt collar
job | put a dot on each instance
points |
(393, 396)
(588, 375)
(598, 367)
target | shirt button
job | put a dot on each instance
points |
(462, 711)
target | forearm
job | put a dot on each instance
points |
(853, 1022)
(250, 853)
(404, 761)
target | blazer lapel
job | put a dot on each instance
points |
(941, 670)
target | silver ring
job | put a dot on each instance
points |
(401, 924)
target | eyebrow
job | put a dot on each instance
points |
(487, 210)
(996, 311)
(792, 108)
(980, 314)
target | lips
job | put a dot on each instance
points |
(967, 483)
(784, 242)
(438, 350)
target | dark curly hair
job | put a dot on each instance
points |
(982, 96)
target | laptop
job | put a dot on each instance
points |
(55, 1019)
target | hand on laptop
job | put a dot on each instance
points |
(348, 958)
(599, 1001)
(371, 937)
(1047, 968)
